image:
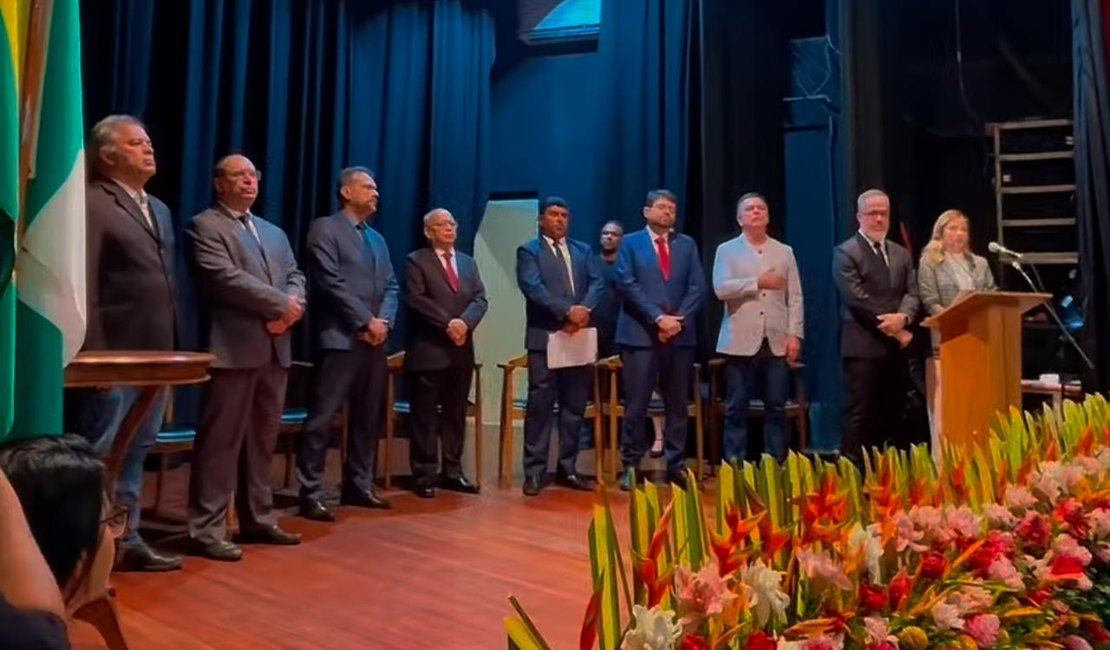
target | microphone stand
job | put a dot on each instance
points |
(1056, 317)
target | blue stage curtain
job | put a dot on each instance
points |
(1092, 166)
(303, 88)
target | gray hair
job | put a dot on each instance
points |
(433, 213)
(102, 135)
(221, 164)
(869, 194)
(345, 177)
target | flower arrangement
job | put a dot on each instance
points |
(1003, 545)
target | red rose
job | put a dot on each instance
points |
(1071, 513)
(1034, 533)
(1040, 596)
(899, 591)
(933, 566)
(871, 598)
(1066, 566)
(694, 642)
(1096, 632)
(760, 641)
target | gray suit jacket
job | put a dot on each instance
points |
(752, 314)
(239, 291)
(938, 284)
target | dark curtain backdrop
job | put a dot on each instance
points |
(303, 88)
(1091, 32)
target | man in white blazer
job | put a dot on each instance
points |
(761, 333)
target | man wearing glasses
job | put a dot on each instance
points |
(250, 293)
(878, 303)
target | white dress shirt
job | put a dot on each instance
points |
(562, 246)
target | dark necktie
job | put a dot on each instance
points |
(367, 245)
(568, 284)
(878, 246)
(245, 219)
(452, 277)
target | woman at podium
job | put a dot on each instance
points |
(948, 269)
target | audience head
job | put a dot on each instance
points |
(873, 214)
(660, 210)
(120, 150)
(611, 234)
(752, 213)
(441, 229)
(358, 192)
(60, 484)
(236, 181)
(950, 236)
(554, 218)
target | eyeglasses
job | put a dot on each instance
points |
(243, 173)
(116, 521)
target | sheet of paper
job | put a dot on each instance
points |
(566, 350)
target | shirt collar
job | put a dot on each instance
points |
(551, 242)
(440, 251)
(234, 214)
(652, 236)
(135, 196)
(872, 242)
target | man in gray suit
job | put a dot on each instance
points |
(250, 295)
(756, 277)
(878, 304)
(354, 304)
(132, 305)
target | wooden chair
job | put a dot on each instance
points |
(397, 409)
(614, 409)
(171, 439)
(514, 409)
(797, 408)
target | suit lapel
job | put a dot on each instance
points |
(124, 200)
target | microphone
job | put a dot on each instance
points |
(999, 249)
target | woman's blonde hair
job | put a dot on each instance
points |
(934, 250)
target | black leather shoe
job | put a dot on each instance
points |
(220, 550)
(459, 484)
(677, 477)
(371, 499)
(575, 482)
(137, 556)
(316, 510)
(272, 535)
(532, 485)
(626, 480)
(424, 491)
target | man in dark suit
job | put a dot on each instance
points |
(446, 301)
(132, 305)
(878, 304)
(250, 295)
(354, 304)
(562, 285)
(604, 317)
(662, 284)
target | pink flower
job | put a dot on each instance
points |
(1019, 497)
(983, 628)
(1004, 571)
(1068, 546)
(906, 535)
(971, 600)
(962, 521)
(999, 516)
(822, 570)
(878, 633)
(1074, 642)
(1034, 533)
(1099, 521)
(1071, 513)
(701, 594)
(822, 643)
(947, 617)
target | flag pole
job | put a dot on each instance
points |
(34, 70)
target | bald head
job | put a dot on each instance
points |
(236, 181)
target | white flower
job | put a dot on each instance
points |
(654, 629)
(867, 544)
(768, 599)
(963, 521)
(878, 631)
(947, 617)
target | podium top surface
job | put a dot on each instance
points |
(975, 300)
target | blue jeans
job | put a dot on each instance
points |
(743, 375)
(97, 415)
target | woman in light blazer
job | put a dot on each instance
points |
(948, 269)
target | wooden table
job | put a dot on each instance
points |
(1056, 391)
(150, 372)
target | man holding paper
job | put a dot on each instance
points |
(660, 278)
(561, 283)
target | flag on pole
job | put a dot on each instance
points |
(50, 266)
(11, 32)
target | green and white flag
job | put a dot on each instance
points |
(50, 264)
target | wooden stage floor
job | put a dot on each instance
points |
(427, 574)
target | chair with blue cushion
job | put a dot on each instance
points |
(295, 413)
(797, 408)
(514, 409)
(613, 409)
(172, 439)
(398, 409)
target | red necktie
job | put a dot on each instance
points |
(452, 277)
(664, 257)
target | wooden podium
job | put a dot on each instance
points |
(980, 360)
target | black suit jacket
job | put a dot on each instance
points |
(130, 284)
(867, 288)
(432, 305)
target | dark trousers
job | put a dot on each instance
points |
(356, 378)
(874, 402)
(669, 368)
(570, 389)
(439, 400)
(743, 376)
(235, 444)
